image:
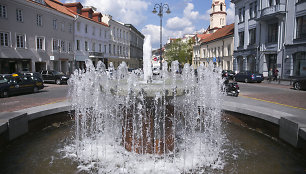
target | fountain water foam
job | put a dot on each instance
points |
(123, 126)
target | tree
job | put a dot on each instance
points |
(179, 50)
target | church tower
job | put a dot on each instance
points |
(217, 15)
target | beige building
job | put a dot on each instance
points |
(34, 37)
(216, 47)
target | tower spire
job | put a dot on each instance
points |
(217, 15)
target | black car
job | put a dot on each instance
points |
(300, 84)
(247, 76)
(52, 76)
(228, 74)
(15, 84)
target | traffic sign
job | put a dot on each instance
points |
(155, 59)
(214, 59)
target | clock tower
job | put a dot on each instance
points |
(217, 15)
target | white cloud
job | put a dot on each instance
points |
(131, 11)
(178, 23)
(188, 13)
(70, 1)
(230, 14)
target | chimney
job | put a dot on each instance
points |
(75, 7)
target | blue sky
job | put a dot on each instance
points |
(186, 17)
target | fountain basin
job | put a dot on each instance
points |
(249, 149)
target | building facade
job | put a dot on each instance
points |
(217, 43)
(136, 47)
(270, 35)
(34, 37)
(119, 42)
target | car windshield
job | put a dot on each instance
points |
(58, 73)
(2, 79)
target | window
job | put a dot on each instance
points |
(93, 31)
(109, 48)
(241, 39)
(69, 47)
(78, 26)
(20, 41)
(63, 46)
(90, 15)
(86, 46)
(240, 15)
(114, 49)
(70, 28)
(252, 36)
(104, 48)
(221, 7)
(40, 43)
(39, 20)
(100, 48)
(3, 13)
(118, 50)
(273, 32)
(93, 48)
(19, 16)
(62, 26)
(251, 10)
(243, 14)
(255, 9)
(86, 28)
(270, 3)
(120, 33)
(55, 45)
(301, 27)
(100, 32)
(54, 24)
(4, 39)
(78, 45)
(105, 33)
(229, 50)
(79, 11)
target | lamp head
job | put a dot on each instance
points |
(154, 11)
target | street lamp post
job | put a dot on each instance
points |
(161, 8)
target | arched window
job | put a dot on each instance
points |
(221, 7)
(213, 8)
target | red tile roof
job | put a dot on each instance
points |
(59, 7)
(203, 36)
(222, 32)
(63, 9)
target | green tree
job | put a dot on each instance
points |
(180, 51)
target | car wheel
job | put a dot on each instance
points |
(246, 80)
(297, 85)
(35, 89)
(258, 81)
(4, 94)
(58, 81)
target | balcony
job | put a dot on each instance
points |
(273, 11)
(96, 55)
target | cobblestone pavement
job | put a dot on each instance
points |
(50, 94)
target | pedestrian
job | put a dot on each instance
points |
(275, 74)
(270, 75)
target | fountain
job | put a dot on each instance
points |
(125, 125)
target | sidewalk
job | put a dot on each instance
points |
(285, 82)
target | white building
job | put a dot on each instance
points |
(119, 42)
(91, 35)
(270, 34)
(35, 37)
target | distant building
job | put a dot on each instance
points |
(270, 34)
(136, 47)
(35, 37)
(216, 44)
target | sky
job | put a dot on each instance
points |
(186, 17)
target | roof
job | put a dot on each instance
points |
(55, 4)
(222, 32)
(203, 36)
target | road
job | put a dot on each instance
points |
(265, 93)
(277, 94)
(50, 94)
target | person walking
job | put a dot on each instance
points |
(275, 74)
(270, 74)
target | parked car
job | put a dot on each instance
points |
(248, 76)
(52, 76)
(32, 74)
(228, 74)
(299, 84)
(16, 84)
